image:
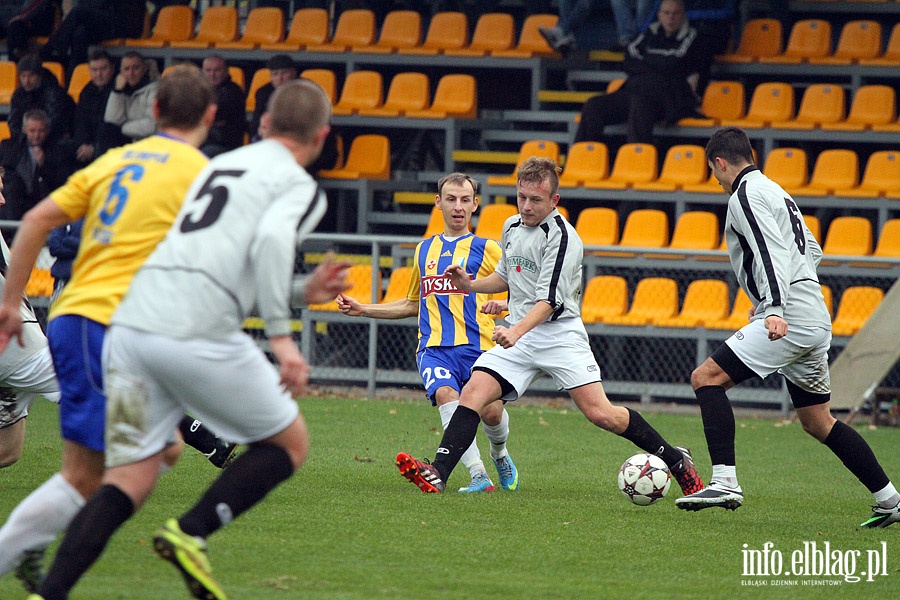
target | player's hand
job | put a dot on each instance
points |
(777, 327)
(294, 368)
(494, 307)
(84, 153)
(10, 326)
(349, 306)
(505, 337)
(459, 277)
(328, 280)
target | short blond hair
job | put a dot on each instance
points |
(298, 109)
(458, 179)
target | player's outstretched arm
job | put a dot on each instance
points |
(492, 284)
(494, 307)
(327, 280)
(398, 309)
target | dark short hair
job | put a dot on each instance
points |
(30, 63)
(538, 169)
(458, 179)
(183, 97)
(280, 61)
(730, 143)
(99, 54)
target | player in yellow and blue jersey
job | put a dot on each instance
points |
(455, 328)
(128, 198)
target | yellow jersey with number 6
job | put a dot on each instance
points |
(129, 198)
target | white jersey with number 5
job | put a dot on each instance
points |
(231, 249)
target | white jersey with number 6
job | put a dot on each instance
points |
(231, 249)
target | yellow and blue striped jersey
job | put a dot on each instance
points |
(447, 316)
(129, 198)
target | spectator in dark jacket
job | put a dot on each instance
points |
(39, 88)
(227, 132)
(281, 69)
(664, 65)
(92, 106)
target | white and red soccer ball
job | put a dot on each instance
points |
(644, 479)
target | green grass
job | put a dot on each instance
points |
(349, 527)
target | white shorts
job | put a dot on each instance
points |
(558, 348)
(801, 356)
(151, 381)
(26, 383)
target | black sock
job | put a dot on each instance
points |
(85, 539)
(196, 434)
(248, 480)
(857, 456)
(457, 438)
(640, 433)
(718, 423)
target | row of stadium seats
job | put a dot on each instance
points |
(355, 31)
(810, 41)
(636, 166)
(655, 301)
(822, 106)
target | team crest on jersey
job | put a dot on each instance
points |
(432, 264)
(439, 284)
(520, 263)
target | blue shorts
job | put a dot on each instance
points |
(442, 366)
(76, 344)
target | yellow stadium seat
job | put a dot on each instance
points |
(710, 186)
(859, 40)
(705, 301)
(173, 24)
(821, 103)
(696, 230)
(435, 223)
(891, 55)
(40, 283)
(57, 70)
(585, 161)
(407, 92)
(447, 31)
(881, 176)
(722, 100)
(634, 163)
(645, 228)
(788, 167)
(9, 80)
(218, 24)
(325, 78)
(598, 226)
(760, 37)
(369, 158)
(771, 102)
(684, 164)
(814, 226)
(456, 96)
(531, 42)
(872, 105)
(361, 287)
(809, 38)
(309, 27)
(81, 75)
(540, 148)
(739, 315)
(493, 31)
(355, 27)
(4, 130)
(265, 25)
(361, 89)
(654, 298)
(398, 285)
(828, 298)
(889, 240)
(401, 29)
(835, 169)
(604, 296)
(848, 236)
(491, 218)
(261, 77)
(856, 306)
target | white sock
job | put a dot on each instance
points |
(471, 458)
(37, 520)
(887, 497)
(725, 474)
(498, 435)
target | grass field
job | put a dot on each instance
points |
(349, 527)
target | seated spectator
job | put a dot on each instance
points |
(663, 66)
(34, 166)
(282, 68)
(129, 110)
(34, 18)
(91, 107)
(90, 22)
(39, 88)
(227, 132)
(630, 16)
(63, 243)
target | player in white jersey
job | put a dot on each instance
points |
(774, 257)
(231, 249)
(541, 267)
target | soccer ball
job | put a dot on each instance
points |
(644, 479)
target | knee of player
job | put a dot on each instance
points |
(172, 452)
(605, 419)
(9, 456)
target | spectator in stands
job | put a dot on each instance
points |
(129, 110)
(39, 88)
(34, 18)
(63, 243)
(571, 13)
(282, 68)
(90, 22)
(663, 66)
(630, 17)
(91, 106)
(227, 132)
(35, 165)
